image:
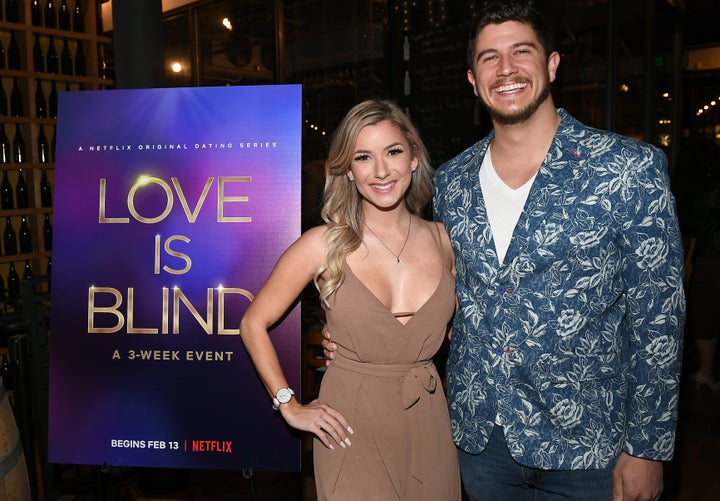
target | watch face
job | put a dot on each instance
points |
(283, 395)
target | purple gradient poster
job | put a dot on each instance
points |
(171, 208)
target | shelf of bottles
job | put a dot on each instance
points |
(46, 47)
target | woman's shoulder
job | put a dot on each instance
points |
(440, 235)
(437, 228)
(309, 247)
(313, 238)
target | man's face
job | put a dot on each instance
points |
(511, 73)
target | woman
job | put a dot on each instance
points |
(386, 282)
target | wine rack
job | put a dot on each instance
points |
(48, 47)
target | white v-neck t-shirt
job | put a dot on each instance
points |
(503, 204)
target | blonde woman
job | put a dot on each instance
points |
(386, 282)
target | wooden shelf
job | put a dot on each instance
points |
(93, 47)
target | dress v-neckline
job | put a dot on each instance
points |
(385, 308)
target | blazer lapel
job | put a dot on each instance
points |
(553, 184)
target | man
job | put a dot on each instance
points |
(563, 370)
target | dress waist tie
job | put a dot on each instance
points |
(419, 379)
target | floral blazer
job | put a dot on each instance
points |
(573, 343)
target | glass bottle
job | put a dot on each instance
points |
(53, 64)
(18, 146)
(80, 66)
(53, 143)
(27, 272)
(2, 54)
(64, 16)
(38, 55)
(47, 233)
(5, 151)
(12, 11)
(40, 101)
(45, 190)
(52, 100)
(6, 371)
(24, 236)
(36, 13)
(77, 18)
(9, 238)
(3, 100)
(13, 53)
(13, 284)
(43, 150)
(16, 99)
(7, 198)
(50, 15)
(21, 191)
(66, 61)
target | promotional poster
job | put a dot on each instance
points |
(171, 208)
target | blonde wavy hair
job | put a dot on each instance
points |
(342, 208)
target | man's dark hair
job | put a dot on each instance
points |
(501, 11)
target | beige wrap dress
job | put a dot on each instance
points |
(385, 384)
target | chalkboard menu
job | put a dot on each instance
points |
(436, 91)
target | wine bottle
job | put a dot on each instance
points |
(16, 99)
(2, 54)
(5, 151)
(13, 53)
(18, 146)
(24, 236)
(12, 11)
(52, 144)
(53, 65)
(52, 100)
(36, 13)
(64, 16)
(77, 18)
(43, 148)
(27, 272)
(6, 371)
(13, 284)
(47, 233)
(9, 238)
(66, 62)
(80, 67)
(40, 101)
(50, 15)
(4, 111)
(38, 55)
(7, 198)
(45, 190)
(21, 191)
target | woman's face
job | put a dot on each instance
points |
(382, 165)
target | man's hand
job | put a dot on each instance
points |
(637, 479)
(329, 348)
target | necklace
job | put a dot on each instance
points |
(397, 256)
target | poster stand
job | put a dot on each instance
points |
(249, 475)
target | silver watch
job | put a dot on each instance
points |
(282, 396)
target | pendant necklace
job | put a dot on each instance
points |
(397, 256)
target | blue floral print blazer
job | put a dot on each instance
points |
(573, 343)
